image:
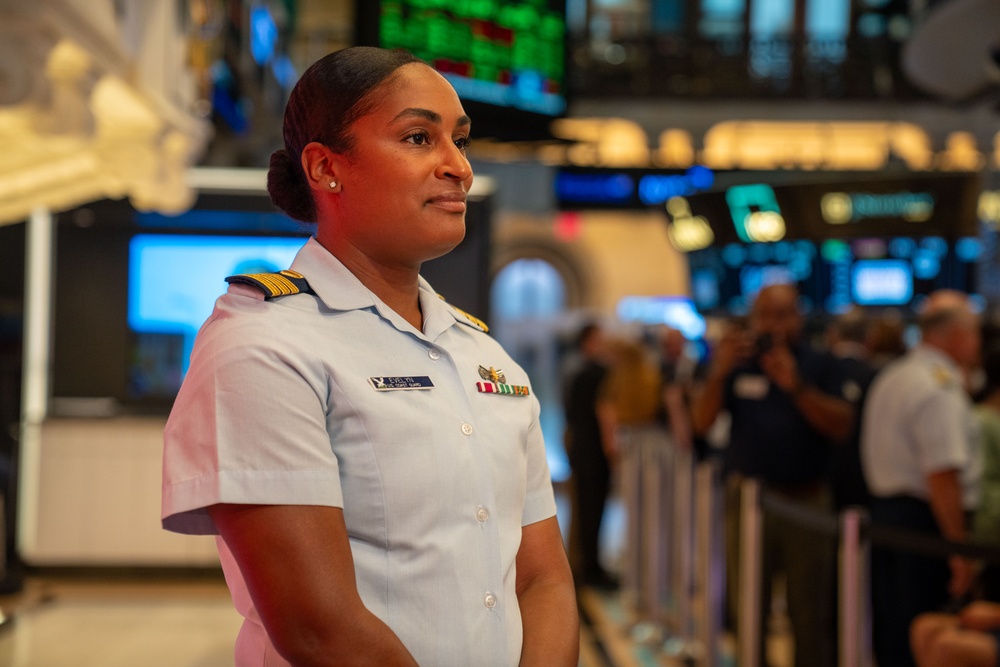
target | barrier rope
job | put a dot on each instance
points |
(893, 537)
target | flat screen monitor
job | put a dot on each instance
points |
(725, 279)
(505, 58)
(676, 312)
(881, 282)
(834, 274)
(174, 280)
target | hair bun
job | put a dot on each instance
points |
(288, 188)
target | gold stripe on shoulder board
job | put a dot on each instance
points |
(278, 284)
(273, 285)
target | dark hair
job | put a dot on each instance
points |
(334, 92)
(940, 318)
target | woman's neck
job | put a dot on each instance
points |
(397, 286)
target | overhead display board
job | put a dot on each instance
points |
(754, 207)
(505, 58)
(834, 208)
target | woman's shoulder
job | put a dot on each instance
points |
(243, 316)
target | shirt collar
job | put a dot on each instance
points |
(938, 356)
(339, 289)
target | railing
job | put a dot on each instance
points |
(673, 578)
(677, 589)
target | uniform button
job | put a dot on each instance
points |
(482, 514)
(467, 428)
(490, 600)
(433, 354)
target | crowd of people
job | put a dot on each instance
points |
(865, 409)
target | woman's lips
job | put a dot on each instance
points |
(453, 202)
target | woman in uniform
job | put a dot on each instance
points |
(369, 458)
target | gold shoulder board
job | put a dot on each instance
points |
(273, 285)
(943, 376)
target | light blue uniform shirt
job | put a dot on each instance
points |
(918, 420)
(281, 406)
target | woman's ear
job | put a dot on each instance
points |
(319, 165)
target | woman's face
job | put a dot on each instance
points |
(403, 186)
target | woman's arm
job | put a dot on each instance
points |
(297, 564)
(547, 598)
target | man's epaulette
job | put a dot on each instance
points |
(473, 321)
(274, 285)
(943, 376)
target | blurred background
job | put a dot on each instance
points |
(638, 162)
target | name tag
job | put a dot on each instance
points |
(395, 383)
(751, 387)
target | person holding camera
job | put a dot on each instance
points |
(787, 411)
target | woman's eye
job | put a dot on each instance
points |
(418, 138)
(463, 143)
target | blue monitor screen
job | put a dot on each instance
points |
(174, 280)
(834, 274)
(881, 282)
(676, 312)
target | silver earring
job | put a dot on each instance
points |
(333, 184)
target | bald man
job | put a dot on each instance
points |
(919, 443)
(787, 409)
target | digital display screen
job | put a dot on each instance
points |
(835, 274)
(506, 59)
(726, 278)
(509, 53)
(881, 282)
(174, 280)
(584, 188)
(673, 311)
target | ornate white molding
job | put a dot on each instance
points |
(95, 101)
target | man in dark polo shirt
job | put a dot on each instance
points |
(786, 408)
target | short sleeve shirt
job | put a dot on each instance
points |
(917, 421)
(335, 400)
(769, 437)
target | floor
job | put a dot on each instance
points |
(88, 620)
(116, 621)
(130, 619)
(93, 621)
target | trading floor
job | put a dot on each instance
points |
(87, 620)
(107, 618)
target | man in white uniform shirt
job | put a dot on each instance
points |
(919, 455)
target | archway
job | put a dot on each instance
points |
(528, 299)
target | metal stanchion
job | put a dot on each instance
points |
(855, 609)
(658, 515)
(709, 565)
(630, 478)
(683, 537)
(682, 644)
(645, 480)
(750, 573)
